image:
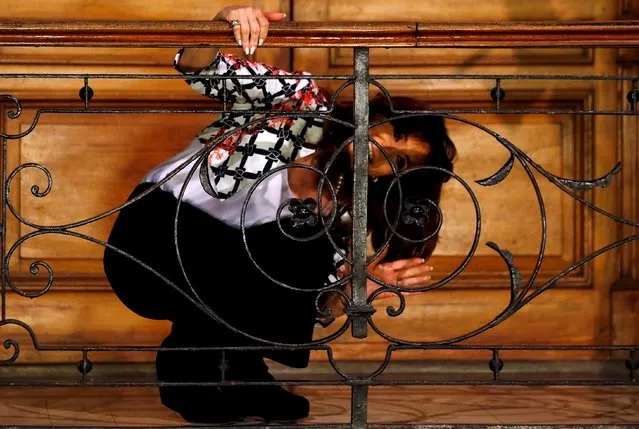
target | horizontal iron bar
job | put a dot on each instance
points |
(503, 77)
(321, 34)
(278, 425)
(322, 77)
(325, 348)
(163, 76)
(351, 382)
(303, 114)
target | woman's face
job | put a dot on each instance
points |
(403, 150)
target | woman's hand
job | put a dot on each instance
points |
(253, 25)
(403, 273)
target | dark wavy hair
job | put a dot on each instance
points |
(420, 186)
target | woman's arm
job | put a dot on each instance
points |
(195, 59)
(250, 32)
(205, 66)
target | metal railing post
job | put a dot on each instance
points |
(360, 310)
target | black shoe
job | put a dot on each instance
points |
(196, 404)
(269, 402)
(212, 404)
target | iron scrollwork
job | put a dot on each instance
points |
(309, 213)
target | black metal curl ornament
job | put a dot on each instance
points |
(328, 311)
(437, 228)
(35, 191)
(303, 212)
(34, 267)
(62, 229)
(326, 225)
(390, 310)
(518, 292)
(193, 296)
(519, 295)
(10, 343)
(416, 211)
(12, 114)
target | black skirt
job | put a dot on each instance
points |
(220, 270)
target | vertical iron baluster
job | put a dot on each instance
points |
(85, 94)
(497, 94)
(359, 407)
(632, 363)
(632, 96)
(360, 193)
(85, 365)
(496, 365)
(3, 227)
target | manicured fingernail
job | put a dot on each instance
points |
(252, 50)
(261, 42)
(283, 15)
(429, 268)
(246, 50)
(239, 42)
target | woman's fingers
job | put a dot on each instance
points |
(274, 16)
(414, 275)
(245, 30)
(414, 281)
(229, 15)
(237, 31)
(255, 31)
(253, 25)
(264, 25)
(414, 271)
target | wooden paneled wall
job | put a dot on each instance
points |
(95, 161)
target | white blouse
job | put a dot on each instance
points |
(262, 206)
(243, 156)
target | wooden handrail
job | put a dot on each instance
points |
(321, 34)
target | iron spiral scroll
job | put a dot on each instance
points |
(305, 212)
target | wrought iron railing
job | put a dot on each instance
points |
(359, 307)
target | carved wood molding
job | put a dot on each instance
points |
(628, 10)
(321, 34)
(343, 57)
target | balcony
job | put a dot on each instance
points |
(534, 295)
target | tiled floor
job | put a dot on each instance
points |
(462, 405)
